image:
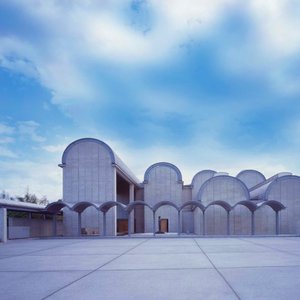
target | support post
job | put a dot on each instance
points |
(3, 224)
(252, 223)
(129, 224)
(153, 224)
(179, 223)
(203, 223)
(277, 222)
(99, 223)
(54, 223)
(132, 215)
(79, 224)
(104, 224)
(228, 222)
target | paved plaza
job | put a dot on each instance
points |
(151, 268)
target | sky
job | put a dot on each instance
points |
(200, 84)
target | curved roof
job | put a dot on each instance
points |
(250, 172)
(163, 203)
(81, 206)
(275, 205)
(164, 164)
(260, 191)
(247, 203)
(193, 203)
(203, 171)
(114, 158)
(207, 182)
(106, 206)
(221, 203)
(132, 205)
(55, 207)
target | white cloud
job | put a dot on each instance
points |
(6, 140)
(5, 152)
(5, 129)
(55, 148)
(29, 129)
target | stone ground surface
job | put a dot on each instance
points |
(149, 268)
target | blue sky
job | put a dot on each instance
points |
(199, 84)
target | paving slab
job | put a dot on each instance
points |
(34, 285)
(149, 285)
(159, 261)
(265, 283)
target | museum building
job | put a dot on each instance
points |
(101, 195)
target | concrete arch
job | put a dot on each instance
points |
(210, 172)
(132, 205)
(55, 207)
(221, 203)
(79, 207)
(251, 177)
(275, 205)
(164, 203)
(164, 164)
(247, 203)
(220, 178)
(274, 182)
(83, 140)
(106, 206)
(194, 203)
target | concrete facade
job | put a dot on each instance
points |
(215, 203)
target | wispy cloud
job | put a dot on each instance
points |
(29, 129)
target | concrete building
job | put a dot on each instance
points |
(215, 203)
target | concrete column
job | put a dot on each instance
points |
(179, 223)
(54, 224)
(203, 223)
(99, 223)
(104, 224)
(252, 223)
(277, 222)
(79, 224)
(228, 222)
(132, 215)
(153, 223)
(129, 224)
(3, 224)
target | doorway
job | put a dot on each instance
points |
(164, 225)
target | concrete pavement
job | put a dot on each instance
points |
(151, 268)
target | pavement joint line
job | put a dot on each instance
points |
(92, 271)
(275, 249)
(30, 252)
(218, 271)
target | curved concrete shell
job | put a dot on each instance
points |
(251, 178)
(162, 182)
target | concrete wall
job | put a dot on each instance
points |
(286, 190)
(162, 184)
(88, 175)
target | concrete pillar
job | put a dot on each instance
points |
(104, 224)
(228, 222)
(54, 224)
(179, 223)
(252, 223)
(203, 223)
(153, 223)
(132, 216)
(277, 222)
(3, 224)
(129, 224)
(99, 223)
(79, 224)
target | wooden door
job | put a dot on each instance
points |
(164, 225)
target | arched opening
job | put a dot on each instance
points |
(166, 218)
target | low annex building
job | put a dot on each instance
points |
(101, 195)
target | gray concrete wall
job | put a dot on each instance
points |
(286, 190)
(88, 175)
(162, 185)
(3, 224)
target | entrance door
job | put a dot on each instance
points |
(122, 226)
(164, 225)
